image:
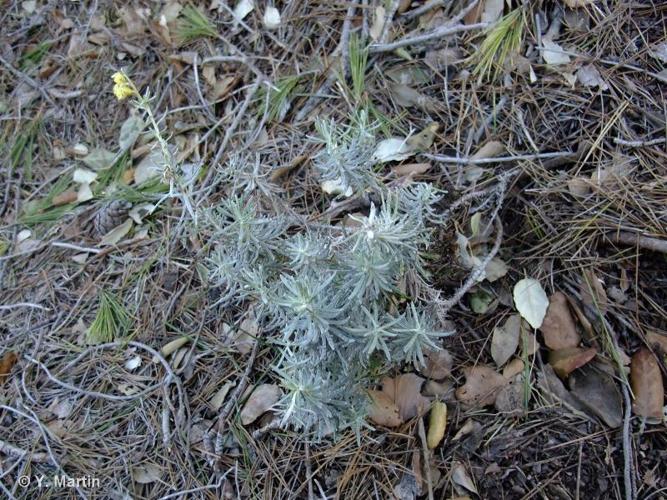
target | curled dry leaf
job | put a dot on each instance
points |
(657, 341)
(173, 346)
(565, 361)
(259, 402)
(513, 368)
(505, 339)
(392, 149)
(411, 169)
(531, 301)
(589, 76)
(647, 386)
(481, 387)
(7, 362)
(437, 424)
(558, 327)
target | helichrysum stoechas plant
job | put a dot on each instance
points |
(330, 295)
(179, 186)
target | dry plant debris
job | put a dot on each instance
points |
(541, 125)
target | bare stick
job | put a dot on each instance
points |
(389, 16)
(645, 242)
(426, 37)
(497, 159)
(345, 40)
(431, 4)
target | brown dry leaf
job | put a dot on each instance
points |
(657, 341)
(565, 361)
(442, 390)
(554, 391)
(490, 149)
(509, 400)
(513, 368)
(558, 326)
(411, 169)
(647, 386)
(259, 402)
(68, 196)
(481, 387)
(6, 364)
(597, 392)
(579, 187)
(438, 364)
(383, 410)
(461, 477)
(592, 292)
(405, 391)
(505, 340)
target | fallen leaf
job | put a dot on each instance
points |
(554, 391)
(271, 18)
(336, 186)
(660, 52)
(592, 292)
(493, 9)
(260, 401)
(578, 187)
(565, 361)
(589, 76)
(138, 212)
(647, 386)
(383, 410)
(531, 301)
(129, 132)
(438, 364)
(437, 424)
(552, 53)
(116, 234)
(61, 409)
(150, 167)
(84, 193)
(218, 398)
(505, 340)
(393, 149)
(99, 159)
(597, 392)
(411, 169)
(509, 400)
(513, 368)
(243, 8)
(481, 386)
(441, 390)
(245, 336)
(173, 346)
(64, 198)
(83, 176)
(657, 341)
(378, 23)
(423, 140)
(558, 327)
(461, 477)
(573, 4)
(7, 362)
(147, 473)
(405, 391)
(495, 269)
(133, 363)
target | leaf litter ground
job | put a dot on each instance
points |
(576, 124)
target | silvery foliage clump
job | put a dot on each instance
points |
(331, 294)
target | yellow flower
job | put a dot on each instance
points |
(123, 87)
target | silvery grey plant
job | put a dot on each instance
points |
(331, 295)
